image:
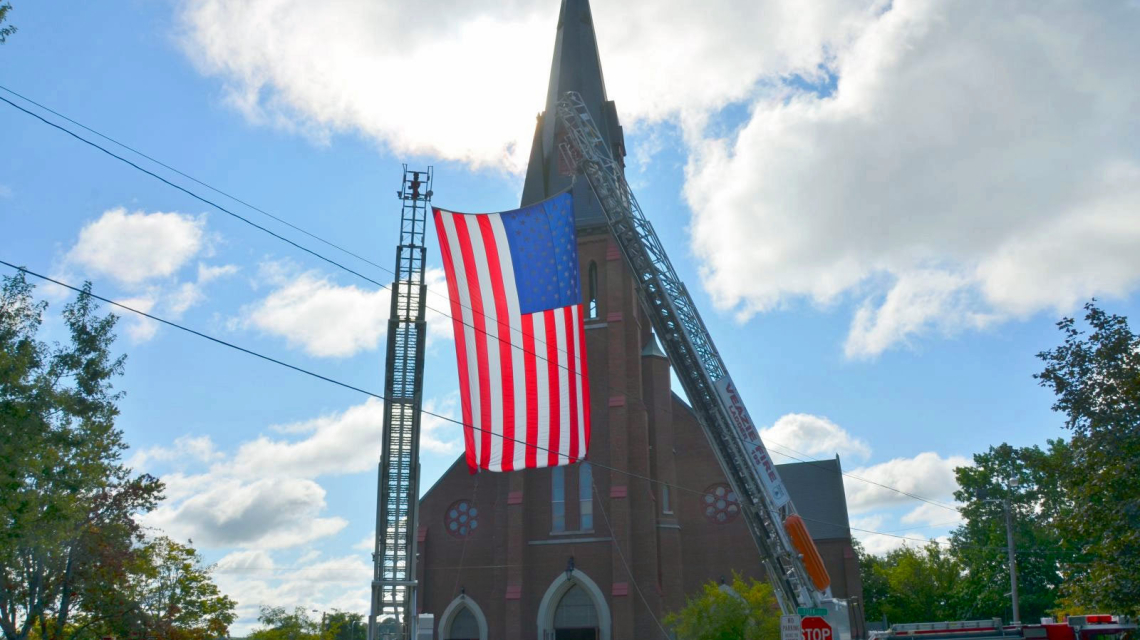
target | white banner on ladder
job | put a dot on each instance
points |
(750, 439)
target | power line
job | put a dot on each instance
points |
(351, 387)
(356, 273)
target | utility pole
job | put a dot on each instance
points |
(1010, 547)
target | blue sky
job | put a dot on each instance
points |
(881, 209)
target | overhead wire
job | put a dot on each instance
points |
(805, 459)
(352, 387)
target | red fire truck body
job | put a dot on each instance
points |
(1092, 627)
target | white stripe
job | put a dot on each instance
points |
(514, 316)
(542, 386)
(563, 387)
(469, 333)
(579, 380)
(491, 327)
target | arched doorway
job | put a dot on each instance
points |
(575, 617)
(463, 620)
(573, 608)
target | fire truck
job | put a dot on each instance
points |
(1090, 627)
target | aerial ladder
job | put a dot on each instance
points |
(790, 558)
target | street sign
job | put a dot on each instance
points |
(790, 628)
(809, 611)
(815, 628)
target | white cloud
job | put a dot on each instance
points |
(140, 329)
(136, 247)
(186, 449)
(815, 435)
(266, 514)
(254, 578)
(188, 294)
(351, 64)
(927, 474)
(323, 318)
(973, 164)
(932, 515)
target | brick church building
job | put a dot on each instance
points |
(539, 554)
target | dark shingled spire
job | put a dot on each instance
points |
(576, 67)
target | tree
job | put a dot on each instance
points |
(980, 542)
(1096, 379)
(278, 623)
(920, 584)
(73, 559)
(7, 31)
(747, 610)
(873, 576)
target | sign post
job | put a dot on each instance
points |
(815, 628)
(790, 628)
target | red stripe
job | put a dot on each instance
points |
(572, 421)
(460, 344)
(469, 269)
(582, 375)
(530, 360)
(507, 431)
(553, 371)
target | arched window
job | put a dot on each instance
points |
(592, 290)
(585, 497)
(575, 611)
(464, 626)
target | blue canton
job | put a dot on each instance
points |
(544, 250)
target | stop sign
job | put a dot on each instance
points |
(815, 628)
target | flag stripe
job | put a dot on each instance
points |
(572, 381)
(461, 320)
(584, 397)
(504, 444)
(482, 381)
(531, 377)
(554, 383)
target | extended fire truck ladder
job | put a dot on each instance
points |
(397, 501)
(764, 500)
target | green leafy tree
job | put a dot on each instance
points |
(1029, 480)
(279, 623)
(1096, 378)
(873, 576)
(7, 31)
(919, 584)
(747, 610)
(342, 625)
(74, 563)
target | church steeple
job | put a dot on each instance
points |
(576, 67)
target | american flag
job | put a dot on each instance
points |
(516, 305)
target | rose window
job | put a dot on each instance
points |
(719, 503)
(460, 519)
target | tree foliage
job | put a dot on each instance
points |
(279, 623)
(1096, 378)
(980, 542)
(911, 584)
(747, 610)
(74, 562)
(5, 31)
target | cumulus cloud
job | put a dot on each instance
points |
(193, 449)
(815, 435)
(139, 328)
(973, 164)
(255, 578)
(932, 515)
(325, 319)
(348, 68)
(136, 247)
(927, 474)
(267, 513)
